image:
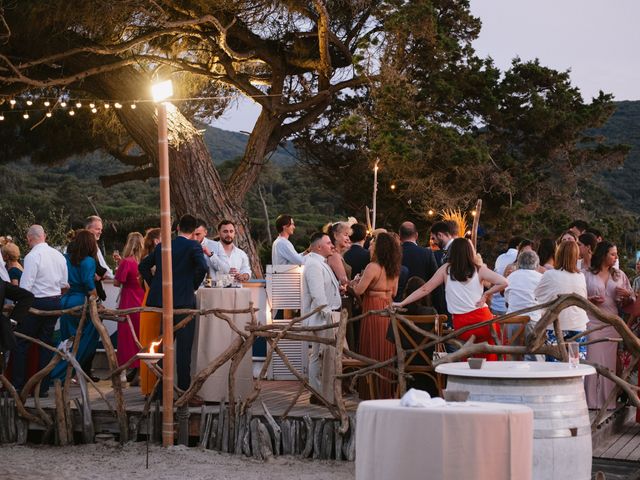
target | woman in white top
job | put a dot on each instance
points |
(466, 299)
(563, 279)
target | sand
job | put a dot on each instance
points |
(111, 461)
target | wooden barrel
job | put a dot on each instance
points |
(562, 432)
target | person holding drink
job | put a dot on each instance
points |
(225, 258)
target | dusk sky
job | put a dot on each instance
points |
(596, 39)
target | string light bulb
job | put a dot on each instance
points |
(430, 212)
(393, 186)
(25, 116)
(106, 105)
(94, 110)
(48, 114)
(72, 113)
(117, 105)
(63, 104)
(473, 213)
(47, 103)
(12, 102)
(78, 105)
(133, 106)
(29, 102)
(92, 105)
(1, 118)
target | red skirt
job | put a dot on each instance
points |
(482, 334)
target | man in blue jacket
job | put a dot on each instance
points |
(189, 269)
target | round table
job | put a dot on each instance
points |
(447, 442)
(555, 391)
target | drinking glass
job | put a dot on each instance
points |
(573, 349)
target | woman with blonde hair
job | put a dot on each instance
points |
(565, 278)
(131, 295)
(149, 321)
(11, 255)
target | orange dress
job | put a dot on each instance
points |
(149, 331)
(373, 336)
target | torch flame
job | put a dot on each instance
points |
(154, 345)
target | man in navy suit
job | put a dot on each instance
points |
(189, 269)
(419, 260)
(357, 256)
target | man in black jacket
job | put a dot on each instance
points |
(419, 260)
(357, 256)
(23, 300)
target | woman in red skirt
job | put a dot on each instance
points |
(463, 279)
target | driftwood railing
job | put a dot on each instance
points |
(234, 429)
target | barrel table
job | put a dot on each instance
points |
(555, 392)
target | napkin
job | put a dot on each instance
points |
(420, 398)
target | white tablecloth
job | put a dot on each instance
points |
(466, 440)
(213, 336)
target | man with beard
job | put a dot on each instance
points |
(226, 258)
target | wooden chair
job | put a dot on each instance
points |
(514, 336)
(351, 364)
(425, 366)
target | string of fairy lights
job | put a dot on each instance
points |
(45, 107)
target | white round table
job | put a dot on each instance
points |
(447, 442)
(562, 432)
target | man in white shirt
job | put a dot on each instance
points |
(521, 294)
(223, 257)
(498, 306)
(282, 250)
(4, 275)
(45, 276)
(320, 287)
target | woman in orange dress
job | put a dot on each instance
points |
(149, 321)
(377, 287)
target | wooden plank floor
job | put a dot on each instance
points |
(276, 395)
(623, 446)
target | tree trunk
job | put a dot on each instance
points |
(196, 186)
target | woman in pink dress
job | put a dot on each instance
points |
(608, 288)
(131, 295)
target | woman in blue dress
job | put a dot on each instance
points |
(82, 269)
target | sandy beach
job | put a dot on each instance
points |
(113, 461)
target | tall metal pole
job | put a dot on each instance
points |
(375, 194)
(167, 279)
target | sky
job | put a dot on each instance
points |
(596, 39)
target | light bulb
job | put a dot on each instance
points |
(48, 114)
(72, 113)
(29, 102)
(63, 104)
(47, 103)
(133, 106)
(106, 105)
(25, 116)
(12, 102)
(1, 117)
(78, 105)
(117, 105)
(94, 110)
(92, 105)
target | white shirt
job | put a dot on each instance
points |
(559, 282)
(283, 253)
(45, 271)
(220, 262)
(521, 292)
(320, 287)
(510, 256)
(101, 261)
(462, 296)
(4, 275)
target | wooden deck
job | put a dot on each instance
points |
(622, 442)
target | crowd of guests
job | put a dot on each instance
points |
(345, 267)
(381, 269)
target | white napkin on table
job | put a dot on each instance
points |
(420, 398)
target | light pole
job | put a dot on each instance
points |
(375, 194)
(162, 91)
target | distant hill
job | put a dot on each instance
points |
(225, 145)
(624, 127)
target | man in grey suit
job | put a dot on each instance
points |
(320, 287)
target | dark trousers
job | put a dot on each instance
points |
(184, 344)
(39, 327)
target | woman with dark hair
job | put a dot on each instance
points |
(81, 267)
(377, 287)
(565, 278)
(587, 243)
(609, 289)
(463, 280)
(546, 254)
(149, 321)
